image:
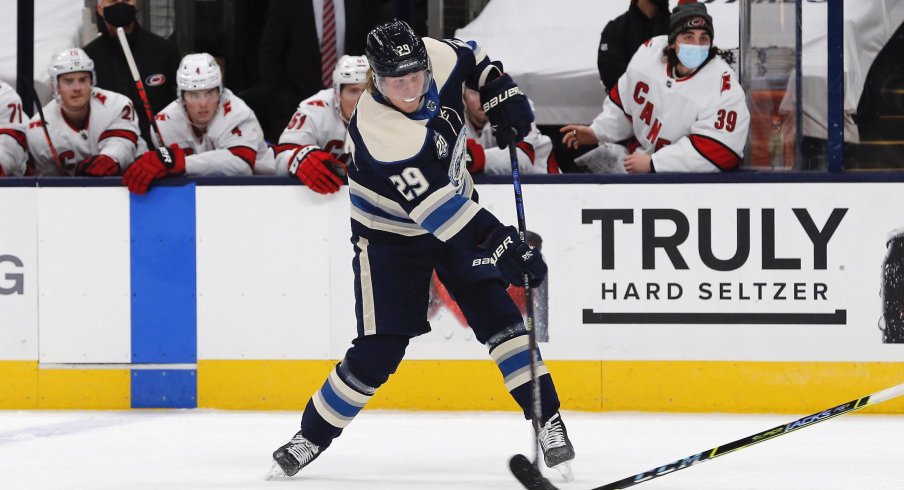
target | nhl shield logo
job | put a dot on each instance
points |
(431, 106)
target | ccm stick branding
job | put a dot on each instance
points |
(741, 275)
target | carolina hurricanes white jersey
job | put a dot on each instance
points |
(111, 129)
(13, 146)
(317, 121)
(697, 123)
(232, 145)
(534, 151)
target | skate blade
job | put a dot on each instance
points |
(276, 473)
(565, 470)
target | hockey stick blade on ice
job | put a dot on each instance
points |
(530, 477)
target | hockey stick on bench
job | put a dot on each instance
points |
(139, 85)
(531, 478)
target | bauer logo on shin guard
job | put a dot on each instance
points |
(498, 99)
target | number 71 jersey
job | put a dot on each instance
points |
(696, 123)
(12, 133)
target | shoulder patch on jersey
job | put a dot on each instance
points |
(100, 98)
(317, 103)
(442, 147)
(726, 82)
(160, 117)
(227, 107)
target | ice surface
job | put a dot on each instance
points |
(208, 449)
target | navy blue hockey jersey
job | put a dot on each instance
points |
(408, 174)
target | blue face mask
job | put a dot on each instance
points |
(692, 55)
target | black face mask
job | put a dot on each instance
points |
(119, 14)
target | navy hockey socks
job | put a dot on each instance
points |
(332, 408)
(511, 350)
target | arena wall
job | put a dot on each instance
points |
(693, 295)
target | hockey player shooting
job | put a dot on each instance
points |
(93, 131)
(678, 100)
(312, 145)
(414, 209)
(209, 131)
(13, 146)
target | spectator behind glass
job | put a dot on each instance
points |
(13, 147)
(209, 131)
(297, 60)
(535, 155)
(94, 131)
(157, 60)
(622, 36)
(694, 119)
(312, 147)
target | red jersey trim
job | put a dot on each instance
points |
(17, 135)
(119, 133)
(715, 151)
(528, 149)
(246, 154)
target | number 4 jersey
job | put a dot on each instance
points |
(696, 123)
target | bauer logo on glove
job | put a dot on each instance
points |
(493, 102)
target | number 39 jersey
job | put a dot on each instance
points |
(13, 148)
(408, 174)
(111, 129)
(696, 123)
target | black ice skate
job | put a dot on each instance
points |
(294, 455)
(557, 449)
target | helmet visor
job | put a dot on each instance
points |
(406, 87)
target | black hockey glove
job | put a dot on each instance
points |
(513, 257)
(507, 109)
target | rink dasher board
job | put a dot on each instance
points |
(273, 287)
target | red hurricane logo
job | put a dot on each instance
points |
(697, 22)
(155, 80)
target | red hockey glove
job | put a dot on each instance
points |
(2, 171)
(477, 159)
(97, 166)
(317, 169)
(152, 166)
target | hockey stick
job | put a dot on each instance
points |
(53, 152)
(536, 409)
(531, 478)
(121, 34)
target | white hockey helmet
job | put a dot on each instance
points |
(198, 71)
(71, 60)
(349, 69)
